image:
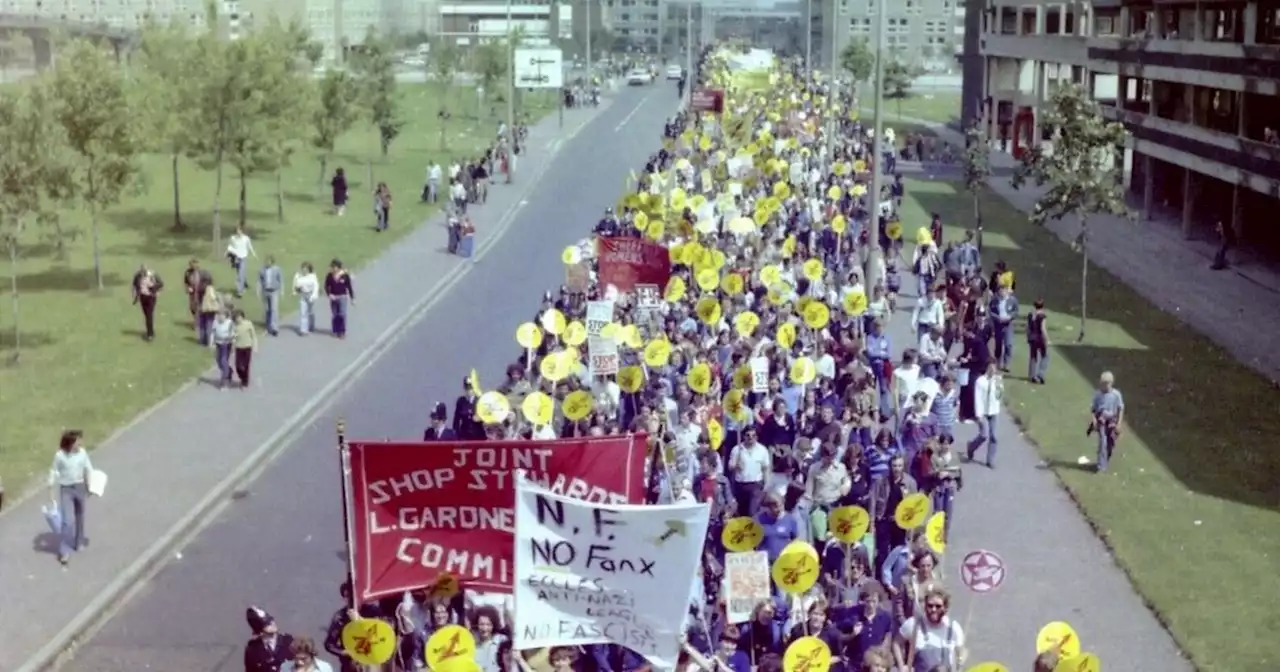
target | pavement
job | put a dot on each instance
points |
(1173, 273)
(421, 321)
(277, 542)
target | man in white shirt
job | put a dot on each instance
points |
(928, 313)
(750, 463)
(687, 434)
(988, 391)
(431, 192)
(826, 482)
(458, 194)
(933, 353)
(905, 378)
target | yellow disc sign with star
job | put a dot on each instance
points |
(699, 378)
(741, 534)
(807, 654)
(849, 524)
(450, 645)
(577, 405)
(912, 511)
(369, 641)
(796, 569)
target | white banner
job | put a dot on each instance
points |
(759, 374)
(602, 353)
(595, 574)
(746, 584)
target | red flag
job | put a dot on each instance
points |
(627, 262)
(418, 510)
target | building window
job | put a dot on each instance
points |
(1268, 25)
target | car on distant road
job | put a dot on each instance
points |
(639, 77)
(674, 72)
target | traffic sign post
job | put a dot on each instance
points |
(539, 68)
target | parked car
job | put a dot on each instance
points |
(674, 72)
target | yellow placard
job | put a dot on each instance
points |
(715, 433)
(699, 378)
(935, 532)
(796, 569)
(575, 334)
(988, 667)
(732, 284)
(1085, 662)
(459, 665)
(816, 315)
(630, 378)
(735, 406)
(803, 371)
(577, 405)
(839, 224)
(369, 641)
(741, 534)
(556, 366)
(894, 231)
(834, 193)
(745, 323)
(445, 586)
(849, 523)
(492, 408)
(553, 322)
(770, 275)
(657, 353)
(708, 310)
(528, 335)
(859, 166)
(449, 646)
(473, 379)
(912, 511)
(629, 336)
(807, 654)
(813, 269)
(708, 279)
(786, 336)
(923, 236)
(1060, 636)
(571, 255)
(538, 408)
(854, 303)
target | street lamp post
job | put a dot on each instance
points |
(872, 270)
(808, 40)
(511, 94)
(588, 5)
(832, 124)
(688, 47)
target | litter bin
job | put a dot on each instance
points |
(466, 246)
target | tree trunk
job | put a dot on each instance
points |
(93, 229)
(977, 215)
(442, 117)
(243, 206)
(13, 298)
(368, 176)
(324, 169)
(1084, 278)
(217, 206)
(177, 195)
(279, 196)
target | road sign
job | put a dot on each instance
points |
(539, 68)
(982, 571)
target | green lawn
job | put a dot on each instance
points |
(942, 107)
(83, 363)
(1189, 507)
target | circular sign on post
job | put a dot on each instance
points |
(369, 641)
(982, 571)
(449, 646)
(807, 654)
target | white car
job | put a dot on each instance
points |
(674, 72)
(639, 78)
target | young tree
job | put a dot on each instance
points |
(32, 165)
(375, 69)
(101, 128)
(1081, 172)
(445, 59)
(164, 94)
(898, 78)
(858, 60)
(977, 168)
(219, 103)
(491, 65)
(335, 113)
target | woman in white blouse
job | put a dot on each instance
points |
(239, 249)
(307, 288)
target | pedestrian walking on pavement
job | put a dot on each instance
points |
(268, 650)
(270, 280)
(239, 249)
(342, 295)
(1037, 344)
(382, 207)
(222, 338)
(306, 286)
(1226, 241)
(69, 489)
(988, 392)
(246, 343)
(197, 281)
(146, 287)
(1107, 410)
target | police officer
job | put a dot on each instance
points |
(268, 649)
(439, 431)
(465, 425)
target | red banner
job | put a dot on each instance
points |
(707, 100)
(627, 262)
(418, 510)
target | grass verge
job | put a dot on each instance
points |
(942, 107)
(1189, 508)
(83, 363)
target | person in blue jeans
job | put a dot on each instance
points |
(342, 295)
(1003, 311)
(222, 336)
(69, 488)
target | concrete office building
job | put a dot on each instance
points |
(922, 33)
(1197, 86)
(639, 24)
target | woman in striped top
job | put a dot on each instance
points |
(946, 408)
(881, 453)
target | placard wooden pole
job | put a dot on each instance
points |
(343, 468)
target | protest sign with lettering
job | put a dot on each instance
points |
(760, 374)
(624, 262)
(589, 573)
(746, 584)
(419, 510)
(602, 352)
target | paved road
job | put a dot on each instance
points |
(279, 546)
